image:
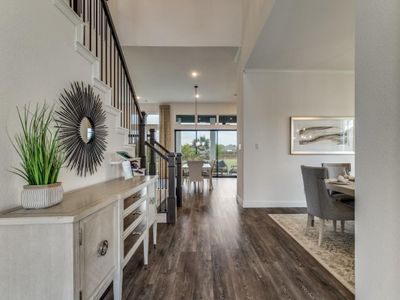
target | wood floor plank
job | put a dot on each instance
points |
(218, 250)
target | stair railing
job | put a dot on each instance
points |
(168, 166)
(101, 39)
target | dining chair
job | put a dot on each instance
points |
(209, 174)
(196, 172)
(185, 175)
(319, 203)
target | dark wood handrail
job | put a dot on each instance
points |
(156, 150)
(162, 147)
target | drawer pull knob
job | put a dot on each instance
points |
(136, 233)
(103, 248)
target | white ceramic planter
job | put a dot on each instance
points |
(41, 196)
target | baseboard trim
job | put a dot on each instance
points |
(267, 204)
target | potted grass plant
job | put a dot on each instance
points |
(38, 147)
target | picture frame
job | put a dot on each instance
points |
(322, 135)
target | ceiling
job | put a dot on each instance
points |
(307, 34)
(163, 74)
(189, 23)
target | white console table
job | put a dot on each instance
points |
(74, 250)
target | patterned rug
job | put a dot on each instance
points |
(336, 253)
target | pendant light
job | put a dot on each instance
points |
(196, 96)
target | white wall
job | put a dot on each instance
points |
(271, 175)
(254, 14)
(178, 23)
(378, 148)
(37, 61)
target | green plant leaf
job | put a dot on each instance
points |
(37, 146)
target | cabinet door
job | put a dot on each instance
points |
(98, 250)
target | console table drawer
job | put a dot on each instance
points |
(131, 240)
(135, 197)
(98, 251)
(134, 215)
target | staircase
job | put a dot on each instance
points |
(168, 167)
(97, 41)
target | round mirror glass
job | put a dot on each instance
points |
(87, 130)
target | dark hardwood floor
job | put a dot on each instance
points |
(218, 250)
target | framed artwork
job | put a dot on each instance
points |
(322, 135)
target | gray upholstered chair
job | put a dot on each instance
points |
(336, 169)
(319, 203)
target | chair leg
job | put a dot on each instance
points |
(321, 232)
(334, 225)
(309, 222)
(342, 226)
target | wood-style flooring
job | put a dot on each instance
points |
(218, 250)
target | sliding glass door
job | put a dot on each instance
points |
(217, 146)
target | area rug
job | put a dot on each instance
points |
(336, 252)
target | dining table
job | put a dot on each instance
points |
(344, 188)
(206, 166)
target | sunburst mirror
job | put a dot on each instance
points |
(82, 130)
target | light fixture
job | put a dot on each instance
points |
(194, 74)
(196, 96)
(138, 97)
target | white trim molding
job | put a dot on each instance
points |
(68, 12)
(255, 70)
(270, 204)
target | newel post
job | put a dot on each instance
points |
(179, 179)
(152, 162)
(142, 139)
(171, 200)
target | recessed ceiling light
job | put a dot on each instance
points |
(138, 97)
(194, 74)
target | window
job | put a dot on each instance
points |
(228, 119)
(209, 145)
(153, 119)
(185, 119)
(207, 119)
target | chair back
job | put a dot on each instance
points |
(336, 169)
(314, 180)
(195, 170)
(319, 203)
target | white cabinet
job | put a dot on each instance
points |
(98, 250)
(74, 250)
